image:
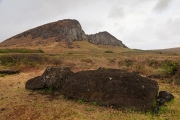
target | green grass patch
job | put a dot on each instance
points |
(20, 50)
(11, 60)
(2, 75)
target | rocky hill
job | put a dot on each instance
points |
(104, 38)
(67, 30)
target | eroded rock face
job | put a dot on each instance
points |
(68, 30)
(52, 77)
(104, 38)
(112, 87)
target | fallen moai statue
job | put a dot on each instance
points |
(109, 87)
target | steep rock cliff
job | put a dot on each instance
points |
(68, 30)
(104, 38)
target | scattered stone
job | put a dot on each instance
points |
(163, 97)
(167, 96)
(161, 101)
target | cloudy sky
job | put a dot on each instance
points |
(139, 24)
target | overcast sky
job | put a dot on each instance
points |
(139, 24)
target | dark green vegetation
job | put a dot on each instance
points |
(20, 50)
(165, 66)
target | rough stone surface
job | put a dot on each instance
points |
(167, 96)
(68, 30)
(52, 77)
(104, 38)
(35, 83)
(163, 97)
(112, 87)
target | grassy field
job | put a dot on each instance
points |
(18, 103)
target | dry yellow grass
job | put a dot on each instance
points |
(18, 103)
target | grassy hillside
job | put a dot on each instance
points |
(18, 103)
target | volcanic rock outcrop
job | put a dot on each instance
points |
(108, 87)
(104, 38)
(68, 30)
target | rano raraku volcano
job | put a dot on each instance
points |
(67, 30)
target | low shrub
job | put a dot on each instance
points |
(109, 51)
(2, 75)
(170, 67)
(18, 59)
(20, 50)
(128, 62)
(56, 61)
(153, 63)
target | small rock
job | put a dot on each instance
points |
(156, 110)
(167, 96)
(161, 101)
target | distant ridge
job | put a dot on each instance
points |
(67, 30)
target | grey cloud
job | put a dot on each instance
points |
(28, 14)
(139, 28)
(174, 26)
(116, 13)
(162, 5)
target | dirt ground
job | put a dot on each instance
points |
(14, 99)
